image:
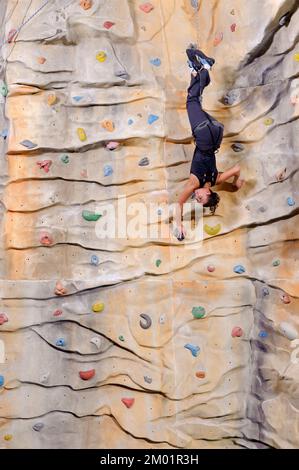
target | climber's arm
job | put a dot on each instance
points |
(191, 185)
(226, 175)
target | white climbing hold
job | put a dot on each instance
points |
(44, 378)
(96, 341)
(288, 330)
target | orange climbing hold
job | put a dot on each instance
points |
(146, 7)
(218, 39)
(60, 289)
(200, 374)
(87, 374)
(85, 4)
(41, 60)
(128, 402)
(108, 125)
(51, 99)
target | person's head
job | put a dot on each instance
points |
(207, 198)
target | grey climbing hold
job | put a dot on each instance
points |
(44, 378)
(28, 144)
(97, 341)
(146, 321)
(38, 427)
(231, 97)
(162, 319)
(237, 147)
(262, 209)
(94, 260)
(193, 349)
(265, 291)
(108, 170)
(144, 161)
(194, 4)
(148, 379)
(276, 263)
(285, 19)
(289, 331)
(122, 74)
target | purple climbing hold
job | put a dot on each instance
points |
(265, 291)
(194, 4)
(152, 118)
(28, 144)
(108, 170)
(146, 321)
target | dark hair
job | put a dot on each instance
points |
(212, 202)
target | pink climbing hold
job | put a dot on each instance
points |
(108, 24)
(3, 318)
(112, 145)
(45, 165)
(128, 402)
(11, 35)
(233, 27)
(57, 313)
(211, 268)
(285, 298)
(87, 374)
(218, 39)
(237, 332)
(146, 7)
(46, 239)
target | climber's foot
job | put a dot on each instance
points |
(198, 58)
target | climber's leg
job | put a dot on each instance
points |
(195, 112)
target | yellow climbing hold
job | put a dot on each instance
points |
(101, 56)
(81, 134)
(51, 99)
(8, 437)
(212, 230)
(108, 125)
(296, 57)
(97, 308)
(268, 121)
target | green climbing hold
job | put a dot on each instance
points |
(276, 263)
(3, 89)
(121, 338)
(198, 312)
(158, 262)
(65, 158)
(91, 216)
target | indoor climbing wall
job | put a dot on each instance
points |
(146, 342)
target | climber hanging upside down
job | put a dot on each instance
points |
(208, 134)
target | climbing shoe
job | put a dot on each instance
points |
(199, 59)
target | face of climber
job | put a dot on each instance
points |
(202, 195)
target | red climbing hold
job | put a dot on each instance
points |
(237, 332)
(128, 402)
(211, 268)
(108, 24)
(285, 298)
(233, 27)
(57, 313)
(11, 35)
(87, 374)
(200, 374)
(46, 239)
(45, 165)
(146, 7)
(3, 318)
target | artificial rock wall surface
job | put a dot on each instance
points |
(217, 366)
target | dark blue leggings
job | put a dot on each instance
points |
(207, 133)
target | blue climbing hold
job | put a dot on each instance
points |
(60, 342)
(130, 122)
(159, 211)
(194, 3)
(152, 118)
(1, 380)
(28, 144)
(94, 260)
(4, 133)
(239, 269)
(290, 201)
(193, 349)
(108, 170)
(263, 334)
(156, 62)
(77, 98)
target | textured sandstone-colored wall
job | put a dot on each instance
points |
(237, 391)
